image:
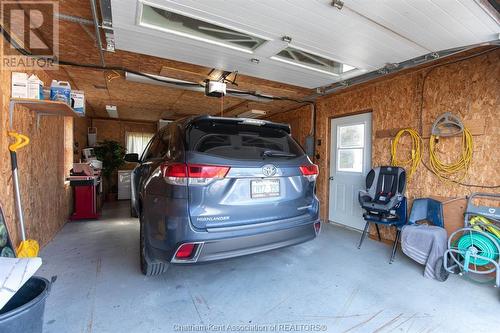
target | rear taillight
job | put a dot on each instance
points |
(185, 251)
(204, 174)
(175, 174)
(192, 174)
(310, 171)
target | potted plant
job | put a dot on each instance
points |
(111, 154)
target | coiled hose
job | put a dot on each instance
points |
(413, 161)
(445, 170)
(483, 246)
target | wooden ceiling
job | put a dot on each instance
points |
(139, 101)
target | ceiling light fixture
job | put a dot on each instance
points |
(337, 4)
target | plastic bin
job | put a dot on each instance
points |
(24, 312)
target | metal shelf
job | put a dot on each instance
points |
(42, 108)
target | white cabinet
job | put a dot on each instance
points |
(124, 184)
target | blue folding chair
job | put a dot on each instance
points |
(427, 209)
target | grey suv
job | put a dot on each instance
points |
(210, 188)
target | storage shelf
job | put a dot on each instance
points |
(42, 108)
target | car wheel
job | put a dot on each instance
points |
(149, 267)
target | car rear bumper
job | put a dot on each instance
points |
(224, 248)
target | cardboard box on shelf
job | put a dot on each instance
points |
(19, 85)
(78, 101)
(35, 87)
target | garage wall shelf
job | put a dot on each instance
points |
(42, 108)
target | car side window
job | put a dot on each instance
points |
(160, 145)
(176, 147)
(164, 149)
(149, 151)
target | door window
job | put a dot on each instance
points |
(350, 147)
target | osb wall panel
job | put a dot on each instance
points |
(80, 137)
(469, 89)
(116, 129)
(300, 122)
(43, 166)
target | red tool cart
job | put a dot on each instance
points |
(86, 196)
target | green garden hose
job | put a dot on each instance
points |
(478, 244)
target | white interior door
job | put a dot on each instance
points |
(350, 161)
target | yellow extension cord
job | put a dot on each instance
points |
(438, 167)
(416, 151)
(461, 165)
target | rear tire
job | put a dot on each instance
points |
(149, 267)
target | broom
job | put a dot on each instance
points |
(27, 248)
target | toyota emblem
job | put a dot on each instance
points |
(269, 170)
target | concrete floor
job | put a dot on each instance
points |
(325, 282)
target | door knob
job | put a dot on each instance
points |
(331, 178)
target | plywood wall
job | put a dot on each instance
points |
(469, 89)
(43, 166)
(300, 121)
(110, 129)
(80, 137)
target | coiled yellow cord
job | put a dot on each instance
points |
(416, 151)
(461, 165)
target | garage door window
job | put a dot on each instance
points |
(350, 148)
(169, 21)
(315, 62)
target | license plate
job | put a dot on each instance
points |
(265, 188)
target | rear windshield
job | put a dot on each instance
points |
(241, 141)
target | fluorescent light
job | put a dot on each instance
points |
(303, 66)
(112, 111)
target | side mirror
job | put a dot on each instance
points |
(132, 158)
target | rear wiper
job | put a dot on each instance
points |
(273, 153)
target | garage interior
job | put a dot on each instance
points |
(308, 64)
